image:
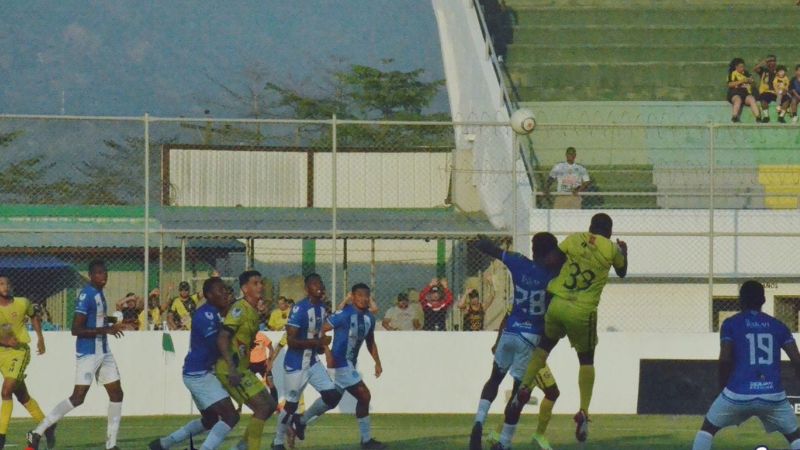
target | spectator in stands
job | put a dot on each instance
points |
(280, 315)
(474, 310)
(263, 314)
(182, 308)
(499, 25)
(435, 299)
(781, 87)
(740, 90)
(401, 317)
(128, 309)
(794, 91)
(373, 305)
(766, 70)
(571, 179)
(153, 310)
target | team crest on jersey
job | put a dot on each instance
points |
(82, 296)
(209, 315)
(236, 313)
(295, 309)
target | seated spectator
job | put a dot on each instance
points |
(400, 317)
(373, 305)
(128, 309)
(474, 310)
(435, 299)
(794, 91)
(781, 87)
(767, 71)
(571, 179)
(740, 90)
(153, 311)
(182, 308)
(280, 315)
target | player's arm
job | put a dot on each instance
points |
(36, 323)
(224, 340)
(485, 246)
(622, 267)
(373, 351)
(794, 356)
(295, 343)
(725, 362)
(79, 328)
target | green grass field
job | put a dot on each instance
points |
(430, 432)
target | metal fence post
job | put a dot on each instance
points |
(333, 210)
(146, 289)
(711, 189)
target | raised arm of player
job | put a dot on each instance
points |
(725, 362)
(622, 269)
(373, 351)
(79, 328)
(36, 323)
(794, 356)
(488, 247)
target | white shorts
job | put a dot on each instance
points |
(513, 353)
(100, 366)
(775, 416)
(295, 382)
(345, 377)
(205, 389)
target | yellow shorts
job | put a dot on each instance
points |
(248, 388)
(573, 320)
(14, 361)
(545, 379)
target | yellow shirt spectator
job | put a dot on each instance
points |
(182, 311)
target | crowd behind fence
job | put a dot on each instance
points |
(394, 204)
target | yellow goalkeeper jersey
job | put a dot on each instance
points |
(585, 272)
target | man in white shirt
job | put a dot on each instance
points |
(570, 179)
(401, 317)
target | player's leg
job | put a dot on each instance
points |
(294, 383)
(554, 330)
(780, 417)
(722, 413)
(108, 376)
(9, 385)
(503, 358)
(262, 405)
(361, 393)
(547, 383)
(582, 333)
(329, 398)
(224, 417)
(704, 437)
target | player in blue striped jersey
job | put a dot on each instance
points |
(750, 372)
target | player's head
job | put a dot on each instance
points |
(98, 274)
(360, 293)
(184, 289)
(737, 64)
(251, 284)
(751, 295)
(215, 293)
(5, 286)
(571, 154)
(601, 224)
(402, 300)
(542, 244)
(315, 288)
(780, 70)
(772, 61)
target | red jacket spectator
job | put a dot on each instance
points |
(431, 297)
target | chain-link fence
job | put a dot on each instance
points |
(168, 201)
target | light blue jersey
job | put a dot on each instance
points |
(526, 317)
(92, 304)
(351, 328)
(308, 318)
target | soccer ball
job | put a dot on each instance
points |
(523, 121)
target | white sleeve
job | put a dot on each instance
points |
(584, 174)
(555, 170)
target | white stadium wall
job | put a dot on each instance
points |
(424, 372)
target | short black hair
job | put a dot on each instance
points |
(601, 224)
(543, 243)
(95, 263)
(781, 67)
(571, 149)
(311, 276)
(772, 57)
(246, 275)
(358, 286)
(751, 295)
(209, 284)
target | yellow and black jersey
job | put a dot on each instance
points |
(765, 84)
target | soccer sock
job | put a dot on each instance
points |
(55, 415)
(254, 430)
(585, 385)
(483, 410)
(795, 444)
(317, 409)
(545, 413)
(365, 428)
(215, 437)
(33, 408)
(538, 361)
(114, 418)
(702, 441)
(5, 415)
(193, 428)
(507, 434)
(280, 430)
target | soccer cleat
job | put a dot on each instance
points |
(50, 436)
(542, 441)
(298, 427)
(156, 445)
(372, 444)
(493, 437)
(33, 441)
(476, 436)
(581, 426)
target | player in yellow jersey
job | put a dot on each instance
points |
(238, 333)
(586, 259)
(15, 354)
